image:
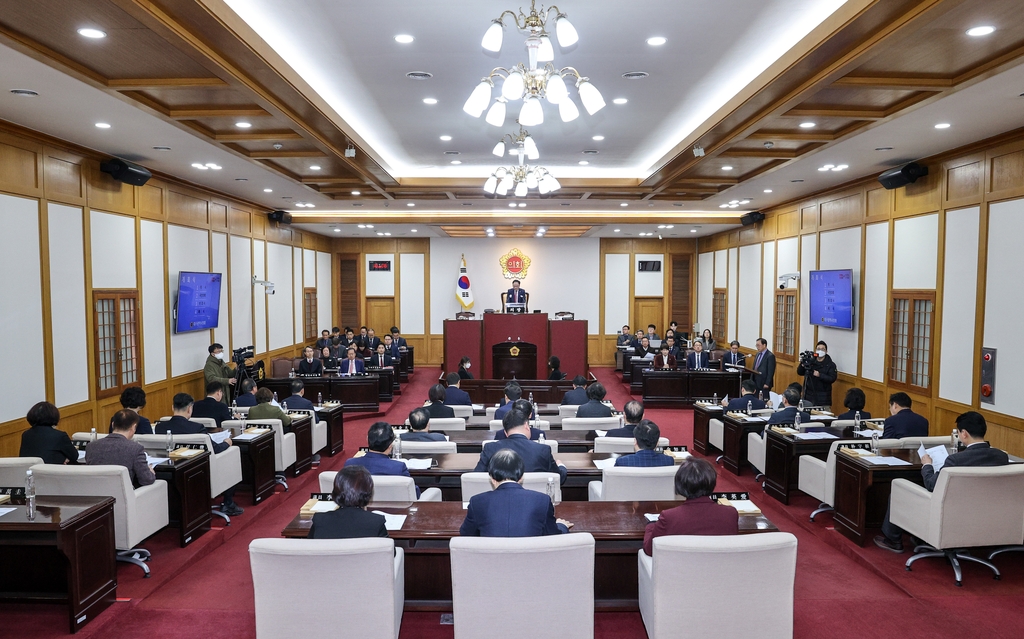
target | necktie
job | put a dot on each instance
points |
(757, 363)
(351, 366)
(381, 360)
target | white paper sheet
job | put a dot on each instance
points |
(478, 406)
(81, 455)
(323, 507)
(604, 463)
(937, 453)
(652, 516)
(417, 464)
(744, 506)
(244, 437)
(218, 438)
(815, 435)
(886, 461)
(865, 433)
(154, 461)
(4, 511)
(601, 433)
(392, 522)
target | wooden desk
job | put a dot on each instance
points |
(302, 428)
(64, 554)
(782, 459)
(447, 473)
(734, 438)
(862, 490)
(680, 387)
(387, 381)
(356, 393)
(490, 391)
(403, 365)
(334, 415)
(188, 495)
(569, 441)
(258, 465)
(701, 416)
(618, 528)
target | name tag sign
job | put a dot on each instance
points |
(190, 446)
(730, 496)
(676, 449)
(320, 496)
(364, 449)
(80, 445)
(14, 492)
(858, 445)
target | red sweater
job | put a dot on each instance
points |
(699, 516)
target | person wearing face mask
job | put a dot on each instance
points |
(217, 370)
(309, 364)
(464, 369)
(820, 373)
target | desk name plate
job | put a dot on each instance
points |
(14, 492)
(730, 496)
(320, 496)
(857, 445)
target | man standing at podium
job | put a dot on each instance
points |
(515, 294)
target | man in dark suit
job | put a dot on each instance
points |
(971, 428)
(324, 341)
(513, 391)
(454, 395)
(246, 393)
(351, 364)
(633, 414)
(673, 348)
(515, 295)
(436, 408)
(380, 359)
(118, 449)
(734, 357)
(578, 394)
(523, 407)
(391, 348)
(298, 397)
(644, 349)
(372, 341)
(536, 457)
(698, 515)
(396, 337)
(348, 339)
(625, 338)
(310, 365)
(134, 399)
(510, 510)
(748, 395)
(212, 406)
(353, 489)
(790, 401)
(764, 365)
(380, 438)
(646, 435)
(43, 440)
(419, 424)
(594, 407)
(698, 359)
(902, 421)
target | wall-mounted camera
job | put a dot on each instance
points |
(785, 278)
(268, 287)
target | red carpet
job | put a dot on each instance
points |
(842, 591)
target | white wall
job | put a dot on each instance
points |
(297, 295)
(768, 284)
(1002, 303)
(874, 315)
(563, 276)
(649, 283)
(412, 305)
(113, 250)
(789, 259)
(154, 307)
(187, 250)
(959, 289)
(240, 283)
(68, 336)
(380, 283)
(749, 303)
(324, 290)
(279, 305)
(721, 272)
(808, 262)
(219, 263)
(616, 292)
(309, 273)
(915, 252)
(705, 289)
(732, 296)
(841, 250)
(259, 310)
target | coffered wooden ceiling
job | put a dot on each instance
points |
(514, 231)
(180, 61)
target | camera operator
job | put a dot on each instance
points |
(217, 370)
(819, 373)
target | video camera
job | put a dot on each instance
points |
(808, 359)
(239, 355)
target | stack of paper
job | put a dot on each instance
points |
(478, 406)
(418, 464)
(886, 461)
(4, 511)
(81, 455)
(601, 433)
(652, 516)
(937, 453)
(604, 463)
(743, 506)
(865, 433)
(323, 507)
(219, 438)
(815, 435)
(392, 522)
(244, 437)
(155, 461)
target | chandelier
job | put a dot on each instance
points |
(529, 83)
(522, 177)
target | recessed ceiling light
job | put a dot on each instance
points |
(883, 148)
(24, 93)
(670, 226)
(241, 179)
(429, 100)
(214, 166)
(456, 161)
(624, 204)
(404, 38)
(356, 192)
(243, 125)
(693, 230)
(362, 226)
(597, 138)
(411, 204)
(415, 231)
(419, 75)
(95, 34)
(807, 125)
(337, 230)
(380, 234)
(656, 41)
(522, 205)
(590, 152)
(796, 181)
(314, 167)
(734, 201)
(102, 125)
(369, 226)
(616, 230)
(446, 138)
(940, 125)
(452, 152)
(268, 190)
(723, 206)
(767, 190)
(661, 226)
(980, 31)
(620, 101)
(584, 163)
(727, 168)
(161, 148)
(744, 201)
(511, 205)
(386, 233)
(635, 75)
(201, 167)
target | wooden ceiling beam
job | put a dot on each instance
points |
(702, 180)
(333, 180)
(273, 155)
(781, 154)
(141, 84)
(191, 113)
(257, 136)
(835, 112)
(909, 83)
(792, 135)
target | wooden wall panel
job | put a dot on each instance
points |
(788, 224)
(239, 222)
(844, 211)
(879, 204)
(107, 194)
(187, 210)
(809, 218)
(965, 182)
(63, 179)
(218, 215)
(19, 168)
(151, 202)
(922, 196)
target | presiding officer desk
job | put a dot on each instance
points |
(617, 527)
(356, 392)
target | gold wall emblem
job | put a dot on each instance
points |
(514, 351)
(514, 265)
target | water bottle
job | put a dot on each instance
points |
(796, 421)
(531, 397)
(284, 406)
(622, 420)
(275, 396)
(874, 442)
(800, 406)
(319, 399)
(30, 492)
(856, 421)
(396, 448)
(234, 405)
(169, 442)
(551, 489)
(750, 407)
(291, 373)
(714, 399)
(93, 433)
(954, 441)
(540, 438)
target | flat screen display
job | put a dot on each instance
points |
(198, 307)
(831, 295)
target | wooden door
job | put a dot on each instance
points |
(380, 314)
(648, 310)
(348, 292)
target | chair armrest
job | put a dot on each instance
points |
(595, 490)
(910, 508)
(431, 494)
(646, 564)
(811, 479)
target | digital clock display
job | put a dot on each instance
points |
(380, 265)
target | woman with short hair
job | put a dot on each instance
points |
(353, 490)
(698, 515)
(43, 440)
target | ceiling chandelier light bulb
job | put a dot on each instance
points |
(496, 114)
(590, 97)
(506, 184)
(567, 110)
(531, 149)
(531, 180)
(521, 189)
(542, 186)
(499, 149)
(545, 52)
(493, 37)
(565, 32)
(491, 185)
(556, 91)
(479, 99)
(512, 87)
(532, 114)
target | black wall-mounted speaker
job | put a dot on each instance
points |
(284, 217)
(126, 171)
(902, 175)
(751, 218)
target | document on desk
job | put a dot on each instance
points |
(937, 453)
(821, 418)
(652, 516)
(81, 455)
(604, 463)
(323, 507)
(418, 464)
(865, 433)
(4, 511)
(156, 461)
(392, 522)
(244, 437)
(218, 438)
(815, 435)
(478, 406)
(754, 418)
(601, 433)
(885, 461)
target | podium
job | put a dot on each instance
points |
(514, 360)
(476, 339)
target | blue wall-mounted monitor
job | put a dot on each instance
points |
(831, 294)
(198, 306)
